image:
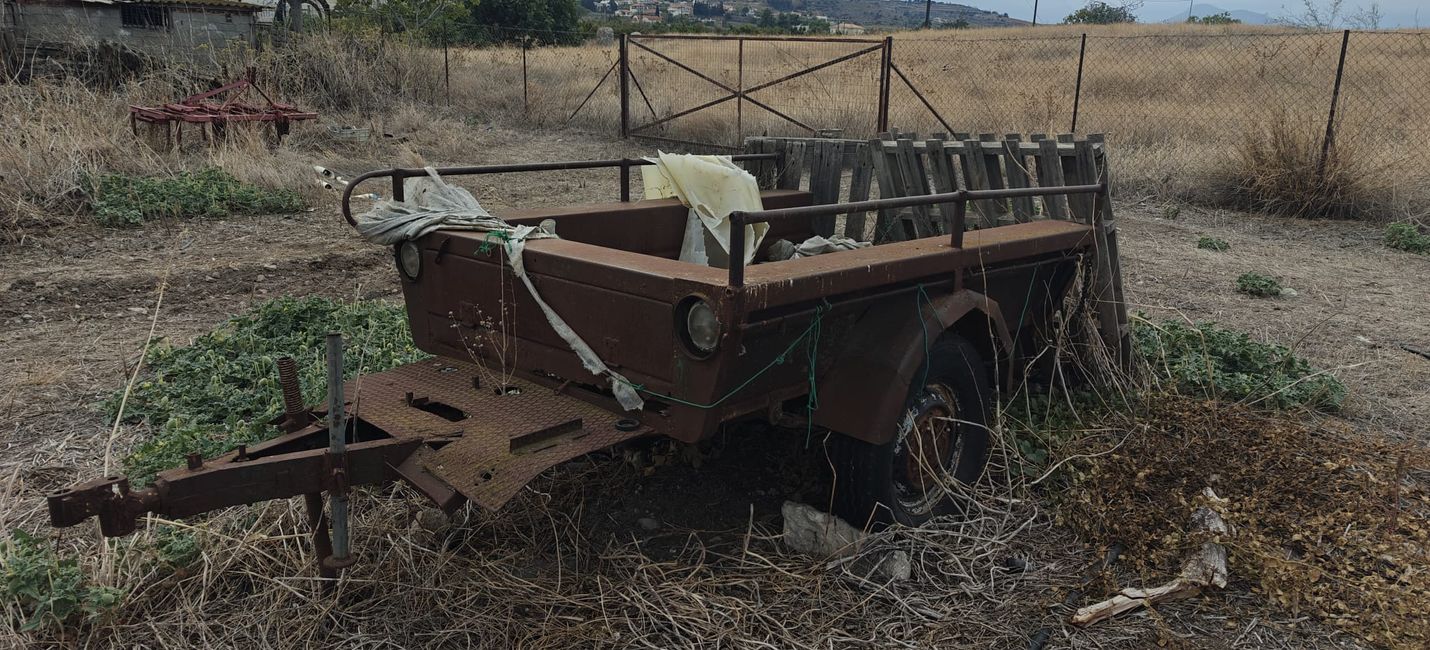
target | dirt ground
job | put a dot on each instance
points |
(76, 308)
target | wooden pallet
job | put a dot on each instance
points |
(896, 164)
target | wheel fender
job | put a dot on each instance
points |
(863, 394)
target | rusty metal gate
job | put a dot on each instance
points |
(793, 86)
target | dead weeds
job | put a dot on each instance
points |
(1328, 523)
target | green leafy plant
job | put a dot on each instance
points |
(1405, 236)
(1213, 244)
(46, 589)
(176, 549)
(222, 389)
(1171, 212)
(1259, 285)
(1221, 363)
(120, 200)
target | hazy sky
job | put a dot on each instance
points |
(1397, 13)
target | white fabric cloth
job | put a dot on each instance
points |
(785, 249)
(817, 245)
(434, 204)
(712, 187)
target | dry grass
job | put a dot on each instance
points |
(1326, 522)
(1285, 170)
(1178, 103)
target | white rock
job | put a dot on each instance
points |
(820, 534)
(817, 533)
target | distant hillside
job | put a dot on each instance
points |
(893, 13)
(1200, 10)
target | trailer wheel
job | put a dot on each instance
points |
(942, 436)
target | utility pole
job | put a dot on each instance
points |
(1189, 10)
(928, 12)
(1035, 13)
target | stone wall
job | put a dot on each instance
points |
(193, 32)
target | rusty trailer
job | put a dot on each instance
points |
(982, 246)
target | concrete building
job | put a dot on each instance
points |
(193, 29)
(846, 29)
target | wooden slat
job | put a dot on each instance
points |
(885, 229)
(793, 168)
(1017, 175)
(942, 170)
(764, 171)
(1050, 174)
(915, 183)
(1028, 147)
(975, 173)
(859, 181)
(1084, 172)
(993, 162)
(824, 182)
(1109, 225)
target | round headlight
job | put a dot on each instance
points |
(702, 327)
(409, 259)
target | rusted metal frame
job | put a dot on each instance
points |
(1077, 87)
(733, 94)
(744, 94)
(885, 62)
(689, 143)
(614, 64)
(921, 97)
(185, 492)
(721, 37)
(740, 86)
(625, 181)
(399, 174)
(880, 266)
(641, 90)
(625, 61)
(739, 219)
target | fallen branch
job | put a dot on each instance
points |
(1205, 569)
(1414, 350)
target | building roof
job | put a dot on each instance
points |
(234, 5)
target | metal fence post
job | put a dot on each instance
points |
(1077, 89)
(1335, 97)
(625, 88)
(740, 98)
(337, 451)
(885, 63)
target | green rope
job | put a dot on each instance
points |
(501, 236)
(810, 335)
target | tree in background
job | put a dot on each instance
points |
(543, 21)
(1101, 13)
(429, 19)
(1223, 18)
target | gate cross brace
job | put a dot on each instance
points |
(745, 94)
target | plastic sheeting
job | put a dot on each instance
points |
(785, 249)
(712, 187)
(434, 205)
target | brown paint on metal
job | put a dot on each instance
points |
(482, 420)
(880, 359)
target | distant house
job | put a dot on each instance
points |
(681, 9)
(846, 29)
(193, 29)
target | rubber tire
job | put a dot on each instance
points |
(864, 491)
